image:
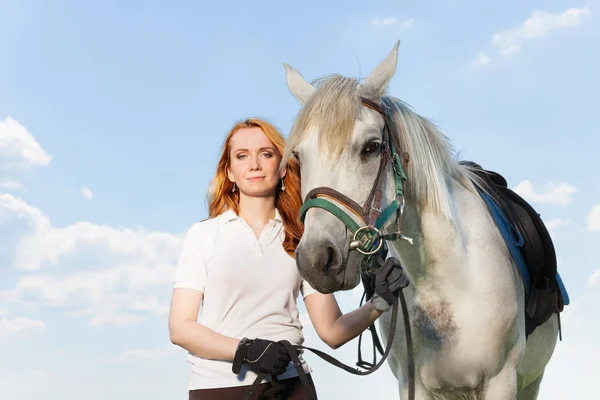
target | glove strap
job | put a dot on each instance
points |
(240, 355)
(261, 354)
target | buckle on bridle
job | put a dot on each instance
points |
(362, 242)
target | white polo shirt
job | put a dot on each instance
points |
(250, 289)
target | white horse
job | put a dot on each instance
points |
(466, 298)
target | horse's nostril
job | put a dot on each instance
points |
(324, 261)
(329, 258)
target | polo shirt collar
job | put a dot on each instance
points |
(229, 215)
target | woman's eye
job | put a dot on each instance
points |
(371, 147)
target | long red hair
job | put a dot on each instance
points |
(288, 201)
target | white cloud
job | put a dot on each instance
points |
(116, 319)
(41, 245)
(383, 21)
(405, 23)
(481, 59)
(593, 218)
(19, 151)
(17, 218)
(551, 193)
(87, 193)
(538, 26)
(111, 275)
(9, 184)
(358, 27)
(553, 224)
(510, 41)
(594, 278)
(150, 354)
(121, 295)
(103, 243)
(18, 148)
(19, 325)
(24, 381)
(13, 206)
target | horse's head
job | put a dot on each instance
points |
(339, 138)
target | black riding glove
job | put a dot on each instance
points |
(389, 280)
(261, 355)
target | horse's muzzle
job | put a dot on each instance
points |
(322, 266)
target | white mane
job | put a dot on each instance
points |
(332, 111)
(432, 163)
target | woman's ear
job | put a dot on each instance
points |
(283, 172)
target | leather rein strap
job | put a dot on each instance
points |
(293, 351)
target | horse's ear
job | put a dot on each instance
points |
(375, 85)
(298, 86)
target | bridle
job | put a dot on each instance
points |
(368, 239)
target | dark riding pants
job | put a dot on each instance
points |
(294, 390)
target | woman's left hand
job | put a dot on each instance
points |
(389, 280)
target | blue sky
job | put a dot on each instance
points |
(132, 100)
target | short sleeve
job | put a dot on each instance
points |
(306, 289)
(191, 267)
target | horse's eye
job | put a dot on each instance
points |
(371, 147)
(296, 157)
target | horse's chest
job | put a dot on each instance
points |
(435, 322)
(453, 347)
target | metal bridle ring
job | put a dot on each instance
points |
(355, 244)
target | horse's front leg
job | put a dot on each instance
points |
(421, 392)
(504, 386)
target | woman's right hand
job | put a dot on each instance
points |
(261, 356)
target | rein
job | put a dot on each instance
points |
(293, 351)
(368, 239)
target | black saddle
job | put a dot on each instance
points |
(545, 295)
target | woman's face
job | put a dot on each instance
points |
(254, 163)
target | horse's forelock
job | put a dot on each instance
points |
(331, 112)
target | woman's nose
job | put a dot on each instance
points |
(255, 163)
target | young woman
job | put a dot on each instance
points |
(239, 265)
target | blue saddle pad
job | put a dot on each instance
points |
(514, 240)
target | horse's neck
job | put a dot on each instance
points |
(443, 252)
(436, 244)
